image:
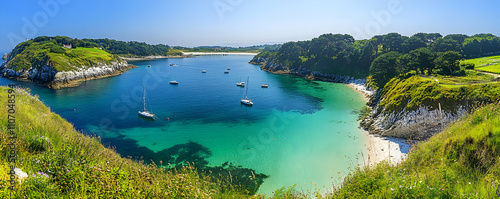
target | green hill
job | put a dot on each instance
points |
(31, 54)
(460, 162)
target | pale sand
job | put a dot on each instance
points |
(380, 148)
(216, 53)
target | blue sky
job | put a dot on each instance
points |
(239, 22)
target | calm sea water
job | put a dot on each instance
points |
(298, 131)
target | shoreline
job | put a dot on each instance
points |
(217, 53)
(379, 148)
(153, 57)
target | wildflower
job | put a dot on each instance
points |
(420, 181)
(43, 174)
(469, 182)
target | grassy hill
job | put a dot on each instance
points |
(462, 161)
(410, 93)
(488, 64)
(35, 54)
(61, 162)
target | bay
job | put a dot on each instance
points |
(298, 131)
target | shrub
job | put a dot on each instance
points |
(469, 66)
(39, 144)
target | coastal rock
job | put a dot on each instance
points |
(419, 124)
(259, 60)
(73, 78)
(4, 57)
(49, 76)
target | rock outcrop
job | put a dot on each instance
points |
(54, 79)
(419, 124)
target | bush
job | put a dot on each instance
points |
(469, 66)
(460, 72)
(39, 144)
(57, 49)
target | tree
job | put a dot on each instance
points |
(413, 43)
(422, 59)
(448, 61)
(384, 68)
(393, 42)
(443, 45)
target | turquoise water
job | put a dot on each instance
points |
(297, 132)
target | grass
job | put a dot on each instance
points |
(36, 55)
(63, 163)
(488, 64)
(462, 161)
(410, 93)
(471, 77)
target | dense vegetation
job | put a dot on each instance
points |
(250, 49)
(36, 53)
(425, 53)
(460, 162)
(61, 162)
(110, 45)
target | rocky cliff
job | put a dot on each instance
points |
(418, 124)
(46, 74)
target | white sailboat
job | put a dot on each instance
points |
(246, 101)
(145, 113)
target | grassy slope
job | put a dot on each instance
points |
(414, 91)
(462, 161)
(79, 166)
(36, 54)
(489, 64)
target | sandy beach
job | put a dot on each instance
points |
(216, 53)
(380, 148)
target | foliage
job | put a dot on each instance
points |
(384, 68)
(48, 52)
(410, 93)
(448, 62)
(78, 166)
(342, 55)
(460, 162)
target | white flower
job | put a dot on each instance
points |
(392, 189)
(20, 174)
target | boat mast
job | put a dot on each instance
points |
(144, 96)
(246, 92)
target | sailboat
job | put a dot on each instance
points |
(246, 101)
(145, 113)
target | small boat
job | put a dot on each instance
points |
(149, 66)
(203, 71)
(264, 85)
(228, 68)
(246, 101)
(242, 84)
(226, 72)
(174, 82)
(145, 113)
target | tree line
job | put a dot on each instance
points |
(110, 45)
(384, 56)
